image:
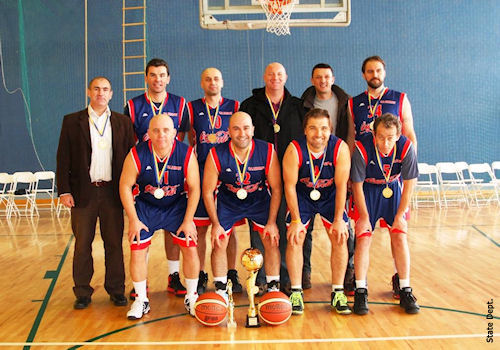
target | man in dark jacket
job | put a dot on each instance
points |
(277, 117)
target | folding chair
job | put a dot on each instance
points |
(6, 182)
(495, 168)
(427, 187)
(46, 178)
(23, 188)
(484, 184)
(451, 184)
(463, 172)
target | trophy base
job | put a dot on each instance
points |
(252, 322)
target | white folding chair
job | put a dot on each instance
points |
(427, 188)
(23, 189)
(484, 184)
(45, 187)
(6, 182)
(495, 168)
(463, 172)
(452, 187)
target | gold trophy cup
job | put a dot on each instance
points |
(252, 260)
(231, 324)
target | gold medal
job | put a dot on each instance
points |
(212, 138)
(387, 192)
(158, 193)
(315, 195)
(241, 194)
(276, 128)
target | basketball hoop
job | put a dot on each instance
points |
(278, 14)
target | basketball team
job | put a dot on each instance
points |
(274, 162)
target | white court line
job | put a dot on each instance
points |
(251, 341)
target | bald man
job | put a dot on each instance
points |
(246, 175)
(277, 117)
(168, 184)
(209, 119)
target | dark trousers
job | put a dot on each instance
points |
(83, 223)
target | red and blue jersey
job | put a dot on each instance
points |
(173, 181)
(200, 123)
(359, 106)
(140, 112)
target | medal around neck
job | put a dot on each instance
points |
(315, 195)
(241, 194)
(276, 128)
(212, 138)
(158, 193)
(103, 144)
(387, 192)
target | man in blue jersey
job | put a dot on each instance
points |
(209, 119)
(378, 163)
(156, 100)
(244, 175)
(315, 172)
(166, 173)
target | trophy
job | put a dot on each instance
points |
(252, 260)
(231, 324)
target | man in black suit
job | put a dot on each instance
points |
(92, 147)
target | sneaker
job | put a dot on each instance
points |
(189, 301)
(138, 309)
(361, 301)
(262, 289)
(306, 280)
(408, 301)
(349, 282)
(233, 276)
(202, 282)
(175, 286)
(134, 295)
(220, 288)
(297, 300)
(339, 303)
(273, 286)
(395, 286)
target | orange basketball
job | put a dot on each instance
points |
(275, 308)
(210, 309)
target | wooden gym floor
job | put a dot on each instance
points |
(455, 256)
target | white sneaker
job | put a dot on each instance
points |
(138, 309)
(189, 301)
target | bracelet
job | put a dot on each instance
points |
(296, 221)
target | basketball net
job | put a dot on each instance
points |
(278, 14)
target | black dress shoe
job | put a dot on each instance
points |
(118, 299)
(81, 303)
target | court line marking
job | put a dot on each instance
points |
(258, 341)
(485, 235)
(43, 307)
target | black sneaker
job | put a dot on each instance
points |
(395, 286)
(175, 286)
(202, 282)
(339, 302)
(221, 289)
(349, 282)
(273, 286)
(133, 293)
(233, 276)
(361, 301)
(306, 280)
(408, 301)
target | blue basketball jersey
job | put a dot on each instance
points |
(140, 112)
(172, 181)
(200, 123)
(359, 106)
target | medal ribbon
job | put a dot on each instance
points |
(101, 133)
(388, 176)
(159, 175)
(241, 173)
(374, 108)
(153, 107)
(212, 120)
(315, 177)
(275, 114)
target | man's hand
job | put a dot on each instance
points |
(67, 200)
(339, 229)
(134, 231)
(189, 229)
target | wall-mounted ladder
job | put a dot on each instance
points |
(133, 47)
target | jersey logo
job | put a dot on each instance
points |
(148, 167)
(144, 114)
(228, 170)
(361, 104)
(372, 162)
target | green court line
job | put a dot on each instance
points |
(240, 306)
(52, 275)
(485, 235)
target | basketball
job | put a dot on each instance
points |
(210, 309)
(275, 308)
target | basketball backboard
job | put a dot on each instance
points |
(249, 14)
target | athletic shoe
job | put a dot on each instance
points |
(339, 303)
(408, 301)
(189, 301)
(134, 295)
(361, 301)
(273, 286)
(202, 282)
(395, 286)
(220, 288)
(349, 282)
(297, 300)
(138, 309)
(306, 280)
(233, 276)
(175, 286)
